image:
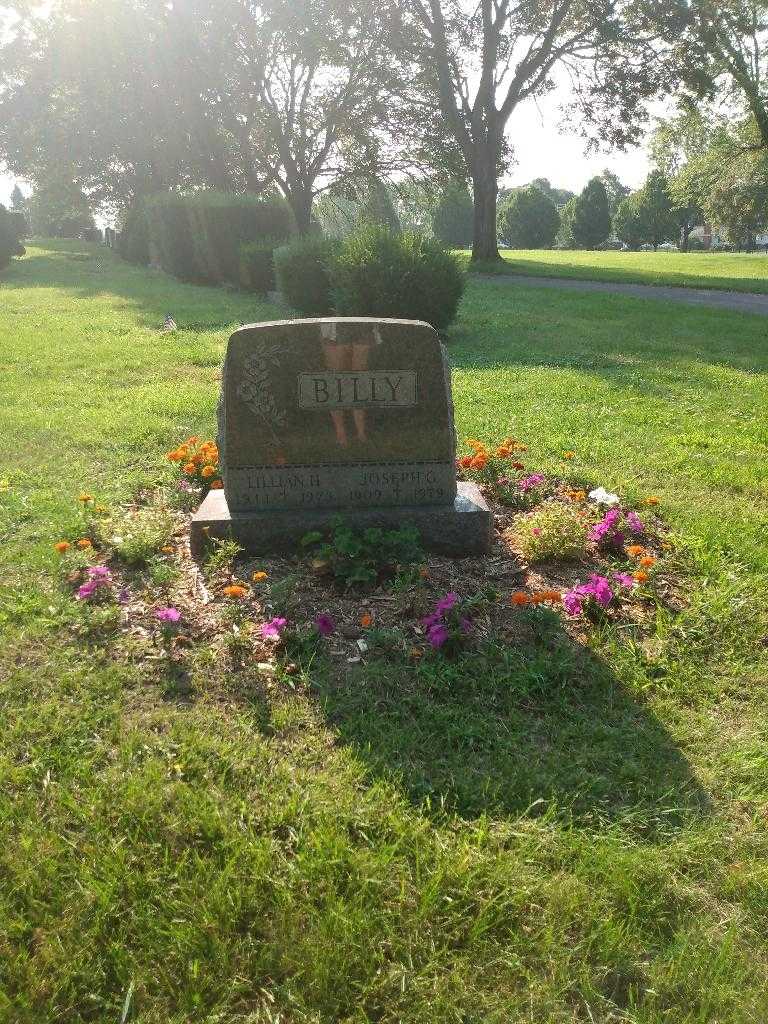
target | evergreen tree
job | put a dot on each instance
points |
(453, 217)
(528, 220)
(19, 211)
(379, 208)
(10, 244)
(58, 208)
(647, 216)
(614, 188)
(564, 237)
(591, 223)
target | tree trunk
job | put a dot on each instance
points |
(685, 234)
(485, 188)
(300, 202)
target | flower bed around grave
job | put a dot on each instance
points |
(580, 554)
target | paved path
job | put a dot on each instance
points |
(743, 302)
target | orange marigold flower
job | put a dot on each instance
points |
(190, 468)
(465, 461)
(366, 619)
(259, 576)
(517, 465)
(520, 598)
(641, 576)
(479, 461)
(62, 546)
(416, 652)
(217, 485)
(84, 543)
(235, 590)
(192, 441)
(168, 549)
(551, 595)
(85, 498)
(635, 550)
(647, 562)
(652, 500)
(503, 452)
(569, 455)
(175, 456)
(207, 471)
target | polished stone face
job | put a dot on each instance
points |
(336, 413)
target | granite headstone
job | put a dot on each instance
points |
(345, 415)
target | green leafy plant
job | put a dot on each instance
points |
(257, 267)
(553, 530)
(220, 556)
(303, 274)
(137, 535)
(379, 273)
(363, 556)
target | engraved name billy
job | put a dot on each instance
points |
(359, 389)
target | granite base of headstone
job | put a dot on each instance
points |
(347, 417)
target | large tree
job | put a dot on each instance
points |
(716, 49)
(301, 91)
(112, 87)
(487, 58)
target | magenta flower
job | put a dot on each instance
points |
(625, 579)
(635, 523)
(274, 628)
(529, 482)
(325, 624)
(572, 602)
(98, 576)
(446, 603)
(437, 635)
(600, 589)
(168, 616)
(597, 589)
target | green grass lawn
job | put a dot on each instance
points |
(570, 833)
(738, 272)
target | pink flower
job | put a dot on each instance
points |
(529, 482)
(572, 602)
(635, 523)
(273, 628)
(325, 624)
(437, 635)
(446, 603)
(168, 616)
(625, 579)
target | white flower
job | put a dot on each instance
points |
(603, 497)
(117, 541)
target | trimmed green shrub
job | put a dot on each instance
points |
(198, 237)
(303, 271)
(222, 223)
(528, 219)
(171, 233)
(133, 240)
(257, 266)
(10, 244)
(378, 273)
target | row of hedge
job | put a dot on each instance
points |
(372, 273)
(11, 232)
(208, 237)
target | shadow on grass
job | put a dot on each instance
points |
(541, 726)
(89, 270)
